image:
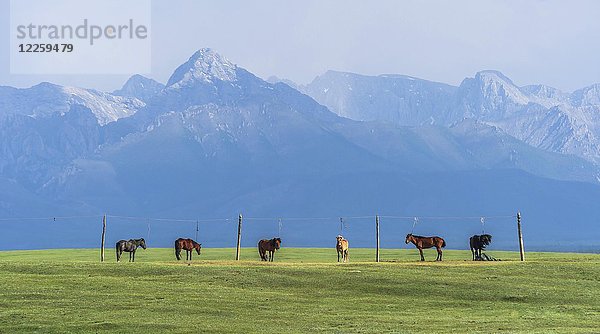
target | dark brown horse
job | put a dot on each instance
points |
(427, 242)
(189, 245)
(478, 244)
(129, 246)
(268, 245)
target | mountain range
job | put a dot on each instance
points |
(216, 140)
(538, 115)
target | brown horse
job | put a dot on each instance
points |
(268, 245)
(189, 245)
(342, 248)
(427, 242)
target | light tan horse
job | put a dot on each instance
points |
(342, 248)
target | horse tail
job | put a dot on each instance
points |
(177, 250)
(261, 252)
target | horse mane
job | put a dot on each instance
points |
(482, 240)
(485, 239)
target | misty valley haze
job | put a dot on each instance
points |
(216, 140)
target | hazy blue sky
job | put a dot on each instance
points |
(550, 42)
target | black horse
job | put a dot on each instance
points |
(129, 246)
(478, 244)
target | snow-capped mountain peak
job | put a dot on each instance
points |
(205, 65)
(106, 107)
(545, 95)
(140, 87)
(588, 96)
(496, 85)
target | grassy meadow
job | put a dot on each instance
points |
(304, 291)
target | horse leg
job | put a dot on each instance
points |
(439, 255)
(421, 251)
(338, 255)
(191, 253)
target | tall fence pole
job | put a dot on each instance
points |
(377, 236)
(239, 238)
(103, 237)
(197, 229)
(521, 249)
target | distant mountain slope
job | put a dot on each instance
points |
(540, 116)
(49, 100)
(47, 126)
(393, 98)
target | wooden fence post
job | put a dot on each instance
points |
(521, 249)
(377, 236)
(239, 238)
(103, 237)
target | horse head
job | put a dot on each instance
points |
(339, 238)
(486, 239)
(277, 242)
(198, 246)
(408, 238)
(142, 243)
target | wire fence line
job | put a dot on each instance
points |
(275, 218)
(51, 218)
(354, 226)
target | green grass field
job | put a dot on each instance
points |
(304, 291)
